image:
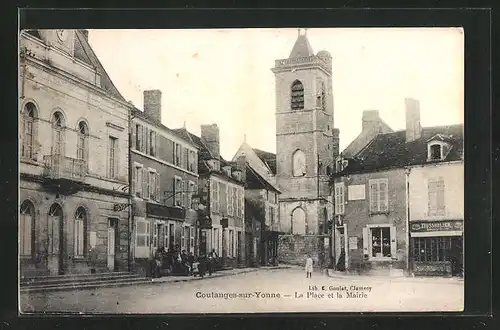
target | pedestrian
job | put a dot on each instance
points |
(92, 259)
(309, 267)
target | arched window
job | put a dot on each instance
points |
(80, 232)
(297, 101)
(82, 147)
(298, 221)
(28, 132)
(27, 229)
(57, 133)
(299, 163)
(55, 228)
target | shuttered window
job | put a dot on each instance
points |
(436, 205)
(378, 195)
(339, 198)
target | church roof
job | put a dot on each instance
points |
(267, 158)
(302, 47)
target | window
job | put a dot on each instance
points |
(80, 236)
(113, 144)
(433, 248)
(339, 198)
(171, 235)
(137, 179)
(216, 244)
(154, 185)
(230, 198)
(145, 183)
(191, 239)
(157, 236)
(297, 97)
(436, 205)
(152, 143)
(184, 233)
(82, 147)
(379, 241)
(435, 152)
(299, 163)
(234, 200)
(231, 243)
(378, 196)
(142, 242)
(138, 135)
(27, 229)
(57, 135)
(298, 221)
(191, 161)
(191, 192)
(28, 137)
(216, 190)
(177, 154)
(271, 216)
(178, 191)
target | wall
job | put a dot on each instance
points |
(453, 175)
(357, 216)
(99, 208)
(105, 116)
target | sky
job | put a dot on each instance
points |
(224, 76)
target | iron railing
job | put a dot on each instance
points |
(62, 167)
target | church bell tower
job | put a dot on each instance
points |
(307, 143)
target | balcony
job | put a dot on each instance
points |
(165, 211)
(61, 167)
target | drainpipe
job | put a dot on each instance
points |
(130, 213)
(408, 236)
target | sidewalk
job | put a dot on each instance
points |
(343, 275)
(220, 273)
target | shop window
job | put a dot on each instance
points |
(379, 242)
(142, 243)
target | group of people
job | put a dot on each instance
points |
(175, 262)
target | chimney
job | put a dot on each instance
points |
(152, 104)
(413, 128)
(241, 164)
(210, 136)
(371, 120)
(85, 33)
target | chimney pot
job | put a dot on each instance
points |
(152, 104)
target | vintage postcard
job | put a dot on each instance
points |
(241, 170)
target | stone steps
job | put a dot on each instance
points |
(79, 281)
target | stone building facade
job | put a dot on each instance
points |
(164, 177)
(379, 198)
(73, 158)
(307, 147)
(222, 191)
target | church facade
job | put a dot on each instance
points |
(307, 146)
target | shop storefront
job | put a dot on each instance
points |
(436, 247)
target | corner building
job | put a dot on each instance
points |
(73, 158)
(307, 146)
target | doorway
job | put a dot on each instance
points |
(56, 240)
(112, 233)
(341, 248)
(456, 255)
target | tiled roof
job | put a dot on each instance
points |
(391, 150)
(177, 132)
(267, 158)
(256, 181)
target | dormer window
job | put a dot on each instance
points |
(435, 152)
(214, 164)
(227, 170)
(237, 175)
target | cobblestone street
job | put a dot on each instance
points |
(283, 290)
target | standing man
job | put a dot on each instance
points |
(309, 267)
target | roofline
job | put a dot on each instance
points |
(260, 178)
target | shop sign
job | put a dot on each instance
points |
(426, 226)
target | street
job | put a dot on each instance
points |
(283, 290)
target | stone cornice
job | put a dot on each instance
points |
(100, 190)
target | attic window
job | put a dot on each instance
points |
(435, 152)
